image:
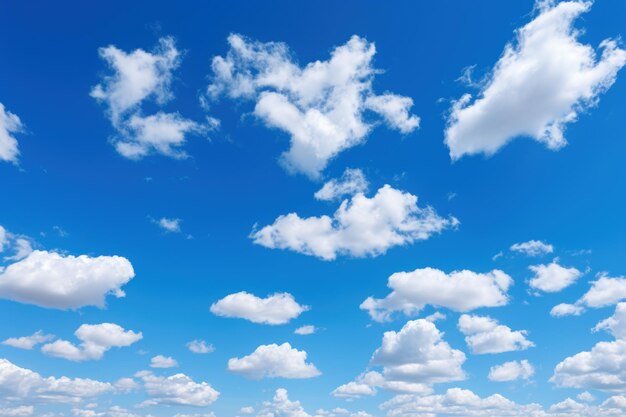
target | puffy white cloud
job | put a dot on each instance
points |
(541, 83)
(586, 396)
(616, 324)
(137, 77)
(351, 182)
(485, 335)
(361, 226)
(177, 389)
(52, 280)
(604, 291)
(459, 291)
(553, 277)
(10, 124)
(305, 330)
(20, 246)
(95, 339)
(278, 308)
(274, 361)
(28, 342)
(200, 346)
(169, 225)
(533, 248)
(321, 106)
(161, 361)
(511, 371)
(21, 384)
(24, 410)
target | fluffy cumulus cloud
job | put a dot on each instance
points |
(463, 402)
(553, 277)
(542, 82)
(361, 226)
(485, 335)
(306, 330)
(511, 371)
(200, 346)
(24, 385)
(96, 339)
(604, 366)
(10, 124)
(351, 182)
(177, 389)
(322, 107)
(28, 342)
(282, 406)
(460, 291)
(53, 280)
(169, 225)
(274, 361)
(532, 248)
(412, 360)
(139, 76)
(14, 246)
(164, 362)
(278, 308)
(604, 291)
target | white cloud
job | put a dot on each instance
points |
(21, 411)
(604, 291)
(200, 346)
(533, 248)
(28, 342)
(22, 384)
(95, 339)
(278, 308)
(511, 371)
(246, 410)
(485, 335)
(274, 361)
(177, 389)
(553, 277)
(169, 225)
(361, 226)
(459, 291)
(20, 246)
(161, 361)
(137, 77)
(616, 324)
(4, 238)
(586, 396)
(321, 106)
(305, 330)
(52, 280)
(351, 182)
(10, 124)
(542, 82)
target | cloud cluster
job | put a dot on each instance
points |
(139, 76)
(322, 106)
(604, 291)
(10, 124)
(361, 226)
(553, 277)
(28, 342)
(485, 335)
(178, 389)
(542, 82)
(274, 309)
(274, 361)
(459, 291)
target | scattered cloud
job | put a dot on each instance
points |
(511, 371)
(163, 362)
(532, 248)
(10, 124)
(351, 182)
(459, 291)
(553, 277)
(177, 389)
(306, 330)
(169, 225)
(200, 346)
(604, 291)
(541, 83)
(274, 361)
(274, 309)
(485, 335)
(28, 342)
(361, 226)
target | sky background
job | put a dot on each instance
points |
(69, 177)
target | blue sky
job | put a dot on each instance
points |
(161, 171)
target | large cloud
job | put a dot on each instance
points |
(10, 124)
(321, 106)
(139, 76)
(274, 361)
(540, 84)
(485, 335)
(177, 389)
(278, 308)
(52, 280)
(95, 339)
(460, 291)
(361, 226)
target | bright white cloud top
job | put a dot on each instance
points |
(360, 227)
(485, 335)
(274, 361)
(459, 291)
(321, 107)
(139, 76)
(53, 280)
(604, 291)
(511, 371)
(10, 124)
(178, 389)
(553, 277)
(542, 82)
(163, 362)
(96, 340)
(274, 309)
(351, 182)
